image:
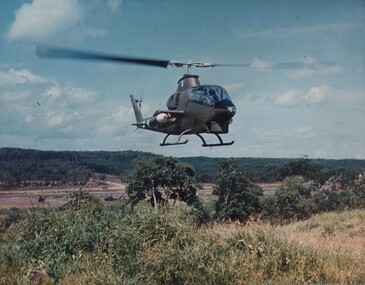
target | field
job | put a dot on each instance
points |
(90, 243)
(55, 196)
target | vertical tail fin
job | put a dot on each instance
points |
(137, 110)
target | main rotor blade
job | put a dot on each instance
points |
(280, 65)
(43, 51)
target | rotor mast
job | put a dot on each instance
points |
(187, 81)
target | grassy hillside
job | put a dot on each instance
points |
(340, 235)
(87, 243)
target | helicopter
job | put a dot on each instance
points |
(193, 109)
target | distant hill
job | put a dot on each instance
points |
(26, 164)
(261, 169)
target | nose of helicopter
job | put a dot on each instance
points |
(228, 107)
(231, 110)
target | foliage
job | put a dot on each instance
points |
(83, 201)
(161, 177)
(76, 246)
(338, 192)
(17, 165)
(274, 169)
(13, 216)
(293, 198)
(358, 200)
(238, 198)
(299, 167)
(329, 200)
(269, 208)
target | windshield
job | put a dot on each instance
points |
(208, 94)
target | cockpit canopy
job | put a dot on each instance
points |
(208, 95)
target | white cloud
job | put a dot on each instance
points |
(304, 132)
(287, 99)
(46, 107)
(15, 96)
(44, 20)
(234, 87)
(115, 123)
(317, 95)
(55, 119)
(23, 76)
(70, 96)
(53, 92)
(77, 96)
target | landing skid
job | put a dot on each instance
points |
(178, 139)
(221, 143)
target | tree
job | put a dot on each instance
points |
(269, 209)
(293, 198)
(161, 178)
(359, 194)
(238, 198)
(299, 167)
(337, 192)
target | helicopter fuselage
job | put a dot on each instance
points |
(192, 109)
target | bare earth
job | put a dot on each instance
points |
(28, 198)
(56, 196)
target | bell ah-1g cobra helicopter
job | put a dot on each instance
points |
(192, 109)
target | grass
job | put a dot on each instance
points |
(86, 243)
(338, 235)
(336, 231)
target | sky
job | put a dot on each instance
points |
(316, 110)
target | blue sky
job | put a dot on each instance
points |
(317, 110)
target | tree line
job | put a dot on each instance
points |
(301, 194)
(20, 165)
(17, 165)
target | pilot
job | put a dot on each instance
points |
(213, 96)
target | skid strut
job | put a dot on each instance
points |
(221, 143)
(178, 139)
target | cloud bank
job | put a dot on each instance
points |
(44, 20)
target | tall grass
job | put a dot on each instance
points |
(89, 244)
(338, 235)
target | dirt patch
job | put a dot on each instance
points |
(29, 198)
